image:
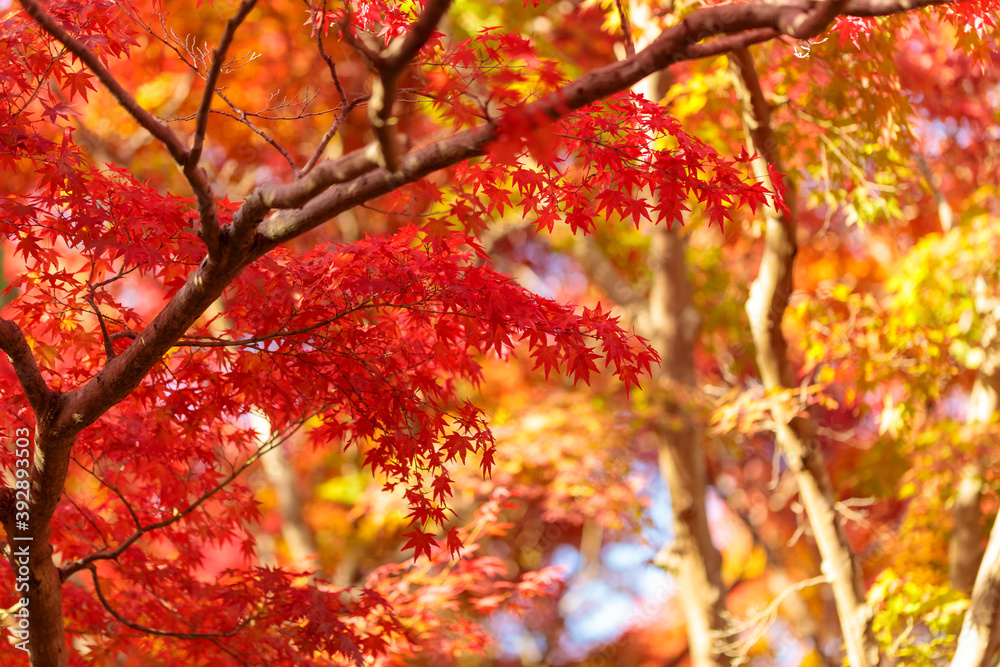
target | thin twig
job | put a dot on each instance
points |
(626, 30)
(161, 633)
(329, 62)
(208, 213)
(155, 127)
(15, 345)
(87, 562)
(389, 64)
(330, 134)
(757, 624)
(38, 88)
(241, 116)
(212, 77)
(277, 334)
(347, 105)
(109, 349)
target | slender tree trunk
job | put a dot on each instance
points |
(695, 561)
(979, 640)
(668, 319)
(980, 637)
(297, 535)
(797, 439)
(673, 331)
(964, 549)
(47, 642)
(38, 625)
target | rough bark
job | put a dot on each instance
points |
(965, 550)
(668, 319)
(48, 640)
(965, 546)
(796, 612)
(765, 308)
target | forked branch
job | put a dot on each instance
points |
(333, 187)
(154, 126)
(15, 345)
(68, 570)
(389, 64)
(208, 214)
(162, 633)
(187, 159)
(796, 437)
(346, 104)
(212, 77)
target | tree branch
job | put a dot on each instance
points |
(68, 570)
(331, 133)
(980, 636)
(162, 633)
(740, 24)
(294, 195)
(212, 77)
(215, 342)
(15, 345)
(979, 640)
(333, 187)
(390, 64)
(402, 51)
(241, 116)
(155, 127)
(208, 214)
(626, 30)
(347, 105)
(109, 349)
(796, 436)
(808, 25)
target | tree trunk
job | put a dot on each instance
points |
(693, 558)
(797, 438)
(980, 637)
(964, 549)
(673, 330)
(978, 642)
(296, 533)
(47, 642)
(38, 624)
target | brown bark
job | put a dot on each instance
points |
(796, 612)
(670, 322)
(965, 551)
(965, 547)
(765, 307)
